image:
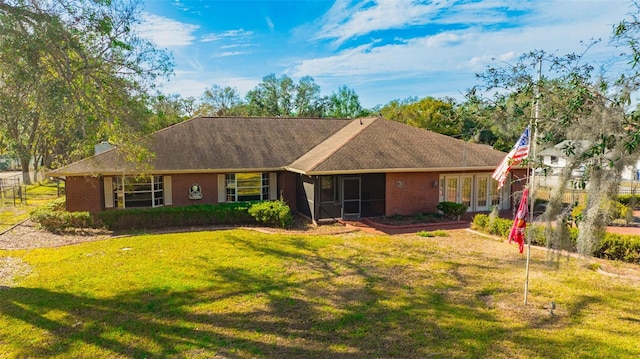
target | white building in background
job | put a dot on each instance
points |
(555, 160)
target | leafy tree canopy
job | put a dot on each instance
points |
(72, 73)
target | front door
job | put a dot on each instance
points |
(351, 197)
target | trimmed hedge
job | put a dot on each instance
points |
(623, 248)
(160, 217)
(53, 217)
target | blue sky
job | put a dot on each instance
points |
(383, 49)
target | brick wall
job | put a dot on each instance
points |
(180, 184)
(87, 194)
(84, 194)
(411, 193)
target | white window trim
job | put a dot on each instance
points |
(503, 192)
(123, 180)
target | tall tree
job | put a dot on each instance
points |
(428, 113)
(346, 104)
(220, 101)
(578, 105)
(308, 102)
(282, 97)
(72, 68)
(166, 110)
(272, 97)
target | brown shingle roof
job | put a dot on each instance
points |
(386, 146)
(312, 146)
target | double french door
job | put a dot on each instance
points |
(477, 191)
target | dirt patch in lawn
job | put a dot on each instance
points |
(28, 235)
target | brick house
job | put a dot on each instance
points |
(325, 169)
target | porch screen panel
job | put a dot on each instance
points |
(304, 203)
(329, 190)
(373, 187)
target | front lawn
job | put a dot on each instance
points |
(14, 211)
(244, 294)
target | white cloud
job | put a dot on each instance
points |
(234, 46)
(557, 29)
(234, 35)
(344, 21)
(166, 32)
(229, 53)
(270, 23)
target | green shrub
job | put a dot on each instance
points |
(624, 248)
(159, 217)
(632, 200)
(618, 247)
(452, 209)
(480, 222)
(492, 225)
(619, 211)
(577, 214)
(273, 213)
(53, 218)
(537, 235)
(500, 226)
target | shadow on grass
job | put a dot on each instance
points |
(324, 307)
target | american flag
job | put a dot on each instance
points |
(518, 153)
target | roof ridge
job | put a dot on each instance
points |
(326, 148)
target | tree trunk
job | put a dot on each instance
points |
(24, 162)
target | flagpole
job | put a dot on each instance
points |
(533, 125)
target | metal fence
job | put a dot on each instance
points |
(12, 192)
(579, 196)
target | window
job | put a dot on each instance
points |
(134, 192)
(495, 194)
(452, 189)
(482, 191)
(553, 160)
(475, 190)
(246, 186)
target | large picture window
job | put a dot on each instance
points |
(135, 192)
(247, 186)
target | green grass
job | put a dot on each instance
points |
(243, 294)
(36, 196)
(436, 233)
